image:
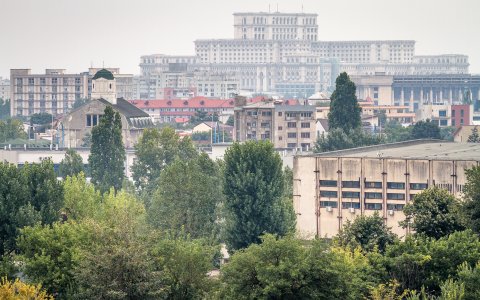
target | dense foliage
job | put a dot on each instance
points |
(254, 186)
(11, 129)
(344, 109)
(71, 164)
(107, 153)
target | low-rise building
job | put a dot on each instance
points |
(286, 126)
(4, 88)
(333, 187)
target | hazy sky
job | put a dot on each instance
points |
(74, 34)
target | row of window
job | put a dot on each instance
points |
(356, 195)
(373, 184)
(368, 206)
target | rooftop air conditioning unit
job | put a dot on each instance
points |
(329, 208)
(390, 212)
(352, 210)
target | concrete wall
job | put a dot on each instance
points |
(396, 181)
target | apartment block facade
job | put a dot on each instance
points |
(333, 187)
(56, 91)
(286, 126)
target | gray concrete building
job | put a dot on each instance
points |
(333, 187)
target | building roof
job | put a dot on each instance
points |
(196, 102)
(324, 123)
(103, 73)
(136, 117)
(307, 108)
(416, 149)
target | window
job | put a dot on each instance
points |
(453, 122)
(461, 113)
(328, 194)
(373, 184)
(351, 184)
(396, 185)
(305, 125)
(373, 206)
(453, 113)
(351, 195)
(373, 195)
(280, 128)
(265, 124)
(332, 204)
(395, 196)
(330, 183)
(418, 186)
(351, 205)
(305, 135)
(266, 113)
(443, 123)
(442, 113)
(292, 125)
(92, 120)
(398, 207)
(292, 135)
(280, 114)
(291, 145)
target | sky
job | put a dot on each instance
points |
(77, 34)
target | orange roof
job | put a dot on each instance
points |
(195, 102)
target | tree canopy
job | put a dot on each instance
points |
(344, 109)
(474, 137)
(434, 212)
(253, 187)
(107, 153)
(11, 129)
(425, 130)
(71, 164)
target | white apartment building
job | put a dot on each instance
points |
(280, 52)
(56, 91)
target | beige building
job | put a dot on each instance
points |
(74, 126)
(462, 133)
(56, 91)
(286, 126)
(333, 187)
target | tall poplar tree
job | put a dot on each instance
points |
(254, 188)
(107, 153)
(344, 109)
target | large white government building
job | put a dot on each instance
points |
(280, 53)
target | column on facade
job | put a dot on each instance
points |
(431, 95)
(421, 95)
(402, 97)
(450, 96)
(441, 94)
(460, 95)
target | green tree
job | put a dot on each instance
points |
(253, 186)
(202, 116)
(434, 212)
(367, 232)
(288, 269)
(425, 130)
(155, 150)
(183, 264)
(188, 198)
(49, 255)
(344, 109)
(28, 195)
(474, 137)
(41, 118)
(107, 154)
(423, 261)
(72, 164)
(4, 109)
(471, 208)
(470, 277)
(11, 129)
(117, 265)
(337, 139)
(81, 199)
(446, 133)
(395, 132)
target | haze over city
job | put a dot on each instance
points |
(75, 35)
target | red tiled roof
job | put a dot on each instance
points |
(196, 102)
(181, 120)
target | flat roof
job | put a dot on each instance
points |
(416, 149)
